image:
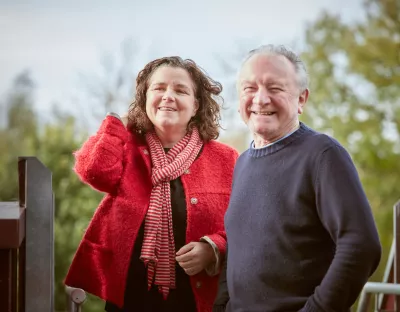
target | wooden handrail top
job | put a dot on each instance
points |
(12, 225)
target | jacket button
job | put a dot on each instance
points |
(198, 284)
(194, 200)
(145, 151)
(187, 171)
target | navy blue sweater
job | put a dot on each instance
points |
(300, 230)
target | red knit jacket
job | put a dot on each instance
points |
(118, 163)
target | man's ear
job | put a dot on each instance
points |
(303, 98)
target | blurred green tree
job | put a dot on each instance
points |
(21, 134)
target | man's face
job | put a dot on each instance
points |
(269, 96)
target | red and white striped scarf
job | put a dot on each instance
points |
(158, 249)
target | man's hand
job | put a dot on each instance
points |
(195, 257)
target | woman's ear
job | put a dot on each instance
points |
(196, 107)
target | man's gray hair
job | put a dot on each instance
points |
(298, 64)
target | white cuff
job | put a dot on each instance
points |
(212, 269)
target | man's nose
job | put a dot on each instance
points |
(262, 97)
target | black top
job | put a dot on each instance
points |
(137, 296)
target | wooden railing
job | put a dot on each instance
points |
(27, 245)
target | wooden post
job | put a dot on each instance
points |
(27, 242)
(5, 280)
(36, 193)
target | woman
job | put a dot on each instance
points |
(157, 239)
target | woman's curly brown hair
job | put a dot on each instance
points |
(206, 91)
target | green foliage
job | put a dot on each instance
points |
(355, 79)
(53, 144)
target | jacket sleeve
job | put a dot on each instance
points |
(219, 238)
(214, 268)
(99, 162)
(345, 213)
(222, 294)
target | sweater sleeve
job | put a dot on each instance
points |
(345, 213)
(99, 162)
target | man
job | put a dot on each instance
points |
(300, 230)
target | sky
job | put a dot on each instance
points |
(58, 41)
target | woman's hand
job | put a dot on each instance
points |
(195, 257)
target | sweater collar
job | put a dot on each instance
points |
(278, 145)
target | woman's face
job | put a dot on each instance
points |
(170, 99)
